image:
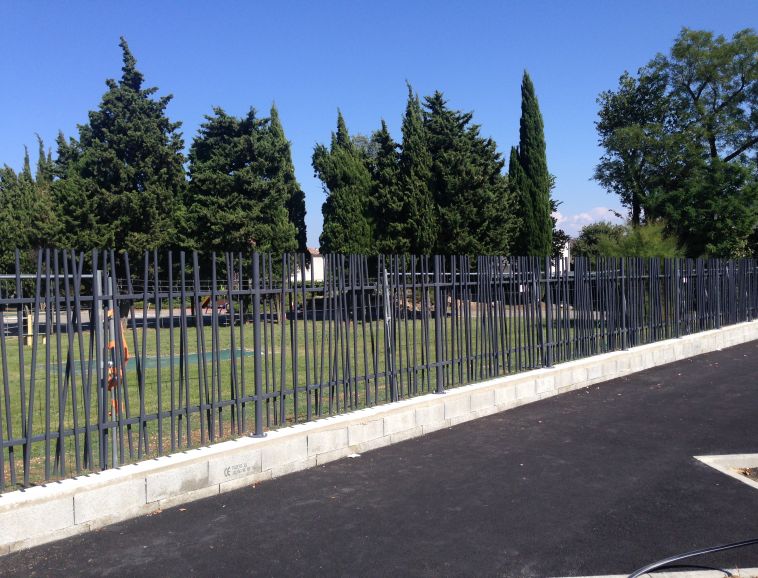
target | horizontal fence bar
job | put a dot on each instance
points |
(109, 358)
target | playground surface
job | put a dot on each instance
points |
(602, 480)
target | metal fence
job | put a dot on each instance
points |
(107, 360)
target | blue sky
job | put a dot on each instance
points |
(313, 57)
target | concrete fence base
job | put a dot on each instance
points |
(61, 509)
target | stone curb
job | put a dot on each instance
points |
(60, 509)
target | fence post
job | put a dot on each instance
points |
(438, 310)
(257, 345)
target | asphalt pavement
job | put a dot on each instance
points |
(597, 481)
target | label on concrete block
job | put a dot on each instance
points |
(240, 464)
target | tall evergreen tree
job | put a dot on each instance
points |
(388, 204)
(237, 192)
(285, 171)
(128, 169)
(418, 230)
(26, 213)
(347, 183)
(14, 220)
(533, 191)
(467, 184)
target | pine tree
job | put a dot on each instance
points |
(533, 188)
(347, 183)
(126, 170)
(237, 193)
(419, 227)
(286, 173)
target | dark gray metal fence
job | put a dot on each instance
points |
(107, 360)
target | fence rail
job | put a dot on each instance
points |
(107, 360)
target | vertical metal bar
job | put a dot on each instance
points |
(438, 309)
(8, 413)
(173, 408)
(158, 377)
(236, 409)
(48, 362)
(184, 385)
(72, 325)
(32, 380)
(257, 346)
(203, 393)
(25, 432)
(282, 321)
(548, 314)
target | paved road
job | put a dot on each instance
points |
(597, 481)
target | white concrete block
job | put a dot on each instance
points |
(284, 451)
(235, 465)
(245, 482)
(35, 520)
(289, 468)
(624, 364)
(327, 440)
(177, 480)
(361, 432)
(608, 369)
(371, 445)
(435, 427)
(594, 371)
(49, 537)
(485, 411)
(482, 400)
(505, 394)
(399, 421)
(526, 389)
(406, 434)
(545, 384)
(104, 501)
(456, 405)
(430, 415)
(187, 497)
(330, 456)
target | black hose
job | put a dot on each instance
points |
(666, 561)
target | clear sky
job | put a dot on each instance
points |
(314, 57)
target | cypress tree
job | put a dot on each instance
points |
(126, 170)
(420, 223)
(522, 200)
(237, 192)
(533, 187)
(285, 171)
(388, 205)
(347, 183)
(467, 184)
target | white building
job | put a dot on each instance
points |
(316, 265)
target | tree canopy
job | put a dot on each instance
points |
(242, 185)
(680, 142)
(344, 173)
(530, 179)
(124, 180)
